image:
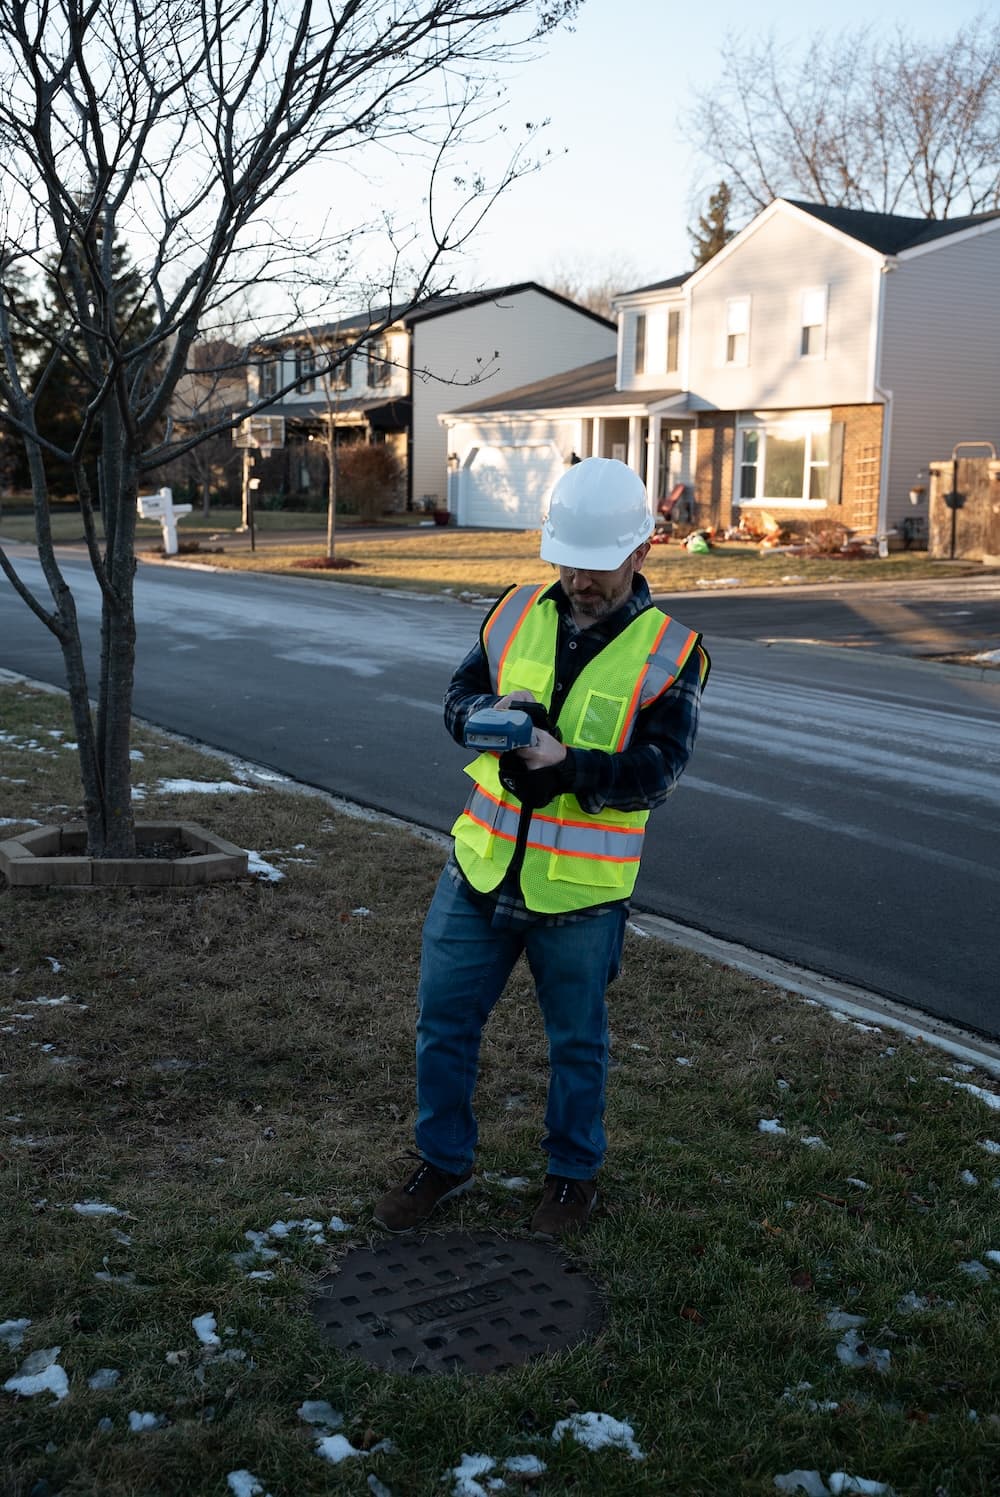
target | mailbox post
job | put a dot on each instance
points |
(160, 506)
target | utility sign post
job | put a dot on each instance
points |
(255, 434)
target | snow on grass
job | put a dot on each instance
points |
(205, 1328)
(266, 871)
(990, 1145)
(140, 1423)
(245, 1484)
(96, 1208)
(320, 1414)
(18, 821)
(853, 1351)
(203, 787)
(813, 1485)
(992, 1099)
(769, 1125)
(337, 1448)
(599, 1432)
(975, 1270)
(993, 1255)
(12, 1332)
(103, 1378)
(40, 1373)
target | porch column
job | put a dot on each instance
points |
(653, 464)
(634, 438)
(597, 449)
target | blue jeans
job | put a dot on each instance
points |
(465, 964)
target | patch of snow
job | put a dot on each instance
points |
(990, 1145)
(524, 1465)
(261, 1274)
(337, 1448)
(682, 1060)
(840, 1482)
(203, 787)
(866, 1028)
(718, 582)
(968, 1178)
(509, 1182)
(104, 1377)
(266, 871)
(320, 1414)
(56, 966)
(12, 1332)
(137, 1422)
(794, 1396)
(245, 1484)
(809, 1482)
(361, 910)
(842, 1320)
(992, 1099)
(993, 1255)
(464, 1475)
(335, 1224)
(860, 1184)
(975, 1270)
(769, 1125)
(18, 821)
(205, 1327)
(39, 1373)
(599, 1432)
(96, 1208)
(815, 1143)
(120, 1280)
(376, 1487)
(856, 1353)
(912, 1303)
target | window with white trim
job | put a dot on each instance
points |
(812, 337)
(783, 460)
(673, 340)
(737, 351)
(379, 363)
(640, 343)
(305, 370)
(341, 375)
(268, 377)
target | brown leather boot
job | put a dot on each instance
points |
(409, 1205)
(565, 1206)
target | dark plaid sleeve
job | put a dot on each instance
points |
(470, 688)
(645, 773)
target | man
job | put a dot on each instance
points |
(548, 846)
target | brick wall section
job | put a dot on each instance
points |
(713, 470)
(862, 465)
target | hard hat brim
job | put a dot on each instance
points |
(592, 558)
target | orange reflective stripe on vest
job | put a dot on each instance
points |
(581, 839)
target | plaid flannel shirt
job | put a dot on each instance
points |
(639, 778)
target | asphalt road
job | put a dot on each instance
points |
(842, 809)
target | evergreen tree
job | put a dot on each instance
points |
(713, 231)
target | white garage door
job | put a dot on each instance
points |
(509, 486)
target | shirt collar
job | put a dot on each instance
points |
(615, 622)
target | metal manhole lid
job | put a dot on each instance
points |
(460, 1302)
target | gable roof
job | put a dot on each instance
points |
(432, 306)
(889, 233)
(667, 285)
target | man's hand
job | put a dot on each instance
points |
(543, 751)
(513, 697)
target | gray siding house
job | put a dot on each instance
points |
(811, 370)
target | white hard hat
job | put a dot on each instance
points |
(598, 515)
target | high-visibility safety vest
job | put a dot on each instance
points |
(572, 859)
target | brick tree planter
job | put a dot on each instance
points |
(57, 855)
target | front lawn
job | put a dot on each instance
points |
(798, 1241)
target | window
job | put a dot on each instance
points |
(673, 340)
(268, 377)
(379, 367)
(340, 377)
(784, 461)
(812, 341)
(738, 330)
(640, 343)
(305, 370)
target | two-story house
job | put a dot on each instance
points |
(813, 368)
(414, 365)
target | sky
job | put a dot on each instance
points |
(623, 185)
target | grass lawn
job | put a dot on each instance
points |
(211, 1062)
(67, 525)
(484, 562)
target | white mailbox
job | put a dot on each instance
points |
(160, 506)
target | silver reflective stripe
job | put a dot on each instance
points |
(574, 838)
(503, 625)
(667, 660)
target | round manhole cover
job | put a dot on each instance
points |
(456, 1303)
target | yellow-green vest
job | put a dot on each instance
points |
(572, 859)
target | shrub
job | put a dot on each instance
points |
(368, 476)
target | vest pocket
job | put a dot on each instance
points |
(473, 835)
(600, 721)
(528, 675)
(597, 873)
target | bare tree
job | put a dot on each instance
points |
(181, 129)
(888, 124)
(592, 284)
